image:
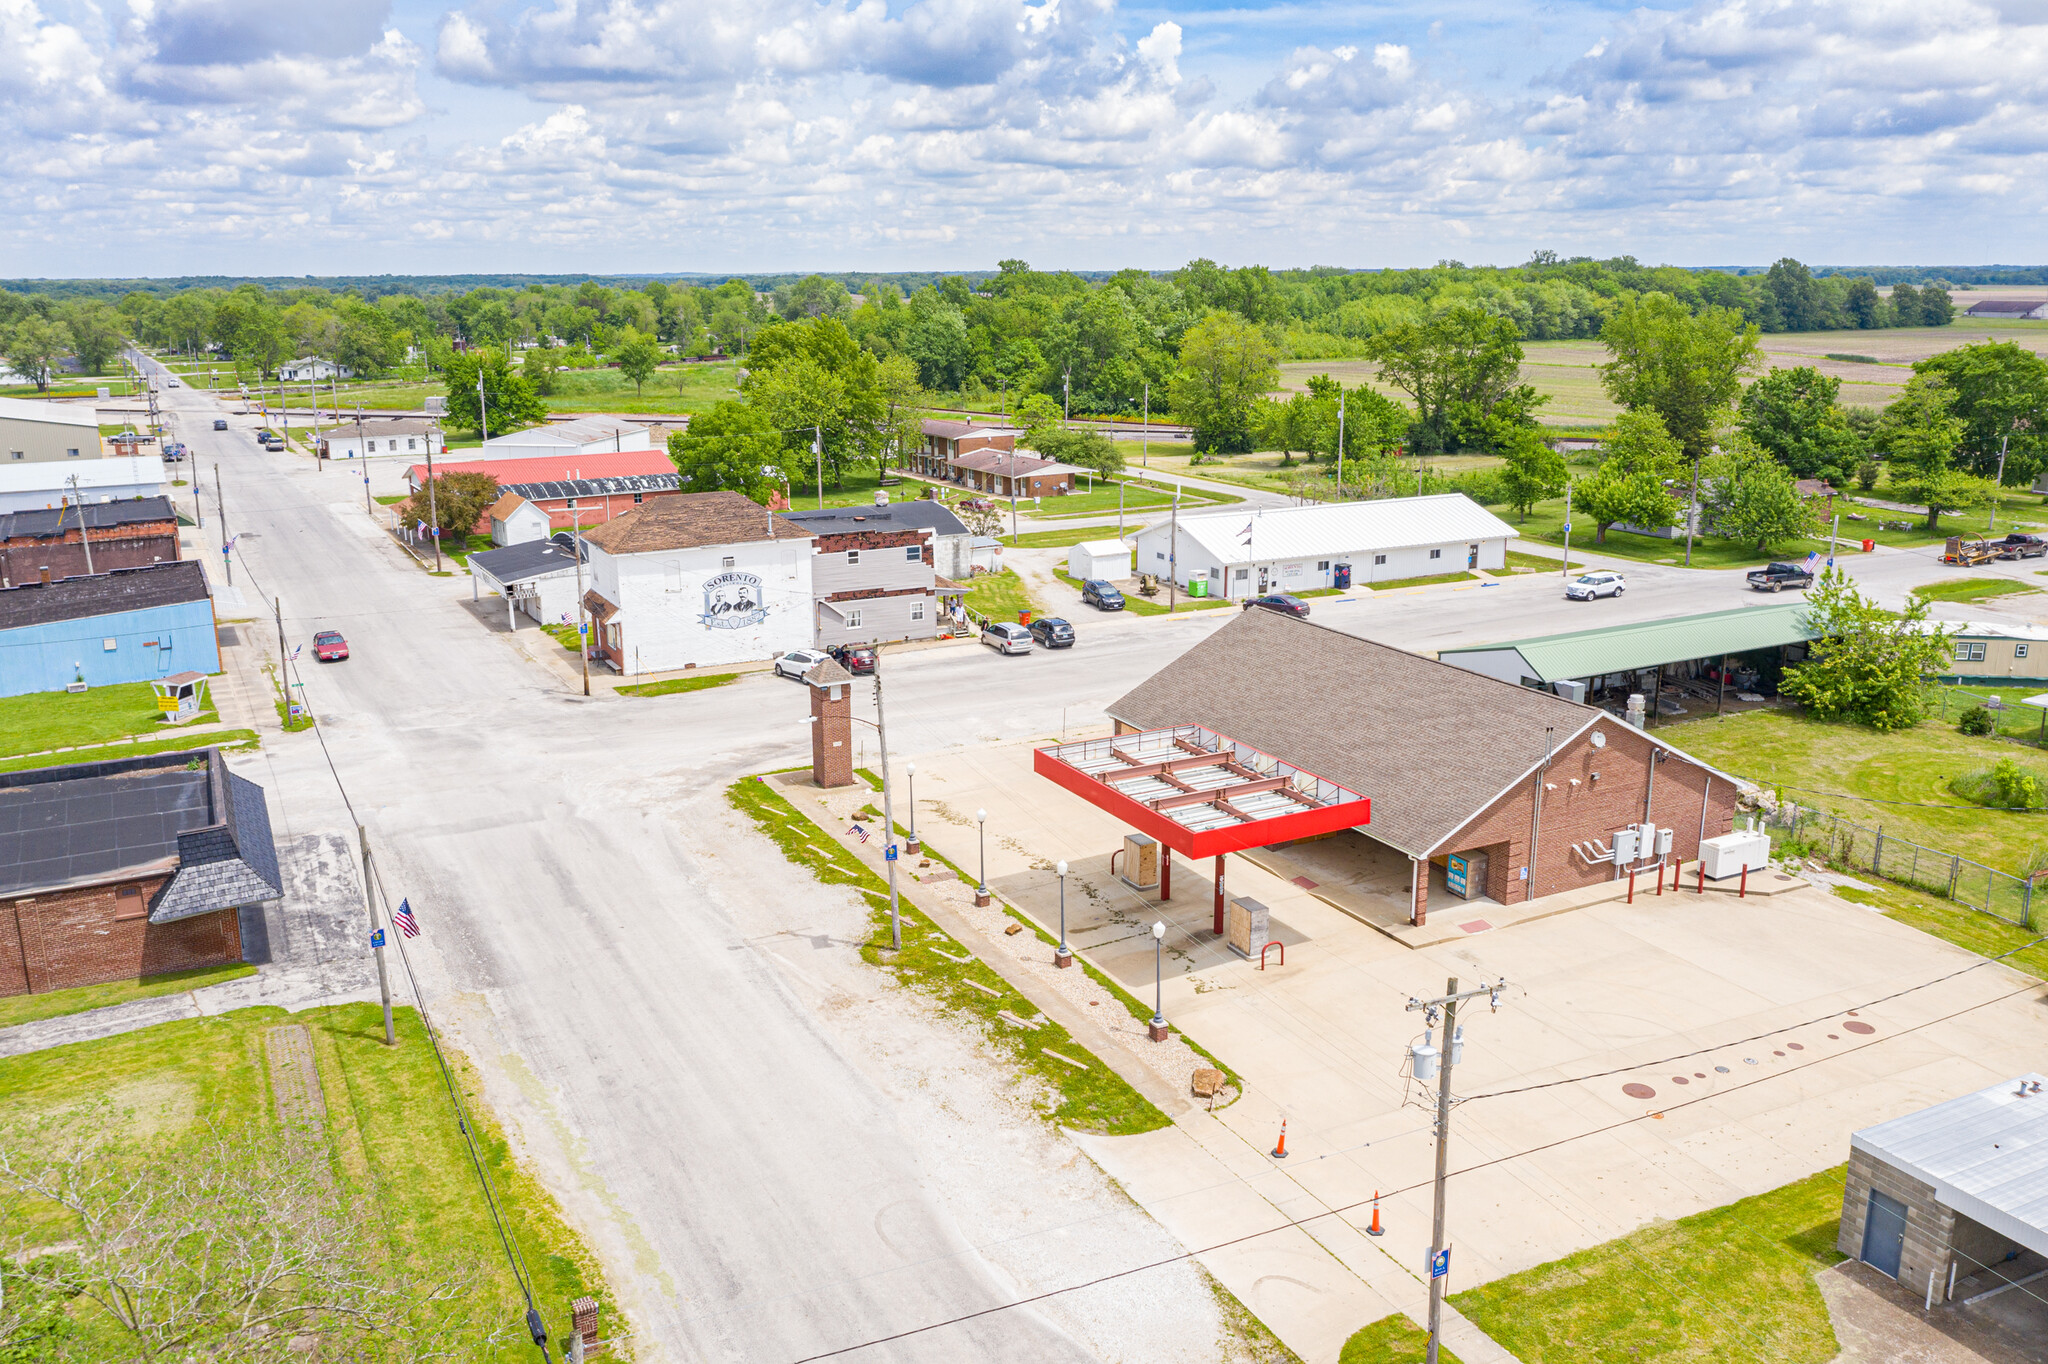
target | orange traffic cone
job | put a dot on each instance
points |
(1280, 1151)
(1375, 1229)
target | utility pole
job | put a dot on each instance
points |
(221, 507)
(1439, 1253)
(1564, 568)
(1067, 398)
(84, 534)
(1997, 486)
(888, 813)
(583, 612)
(1692, 512)
(362, 455)
(433, 504)
(483, 417)
(376, 938)
(1173, 557)
(1145, 430)
(1340, 443)
(277, 605)
(818, 454)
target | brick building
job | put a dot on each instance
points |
(117, 870)
(50, 543)
(1508, 792)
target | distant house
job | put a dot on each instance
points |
(50, 543)
(515, 521)
(383, 439)
(583, 436)
(116, 870)
(130, 625)
(312, 367)
(2010, 309)
(945, 441)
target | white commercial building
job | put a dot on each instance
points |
(313, 367)
(383, 439)
(584, 436)
(34, 431)
(1296, 549)
(698, 579)
(28, 486)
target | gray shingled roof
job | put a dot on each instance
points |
(1430, 744)
(918, 513)
(102, 594)
(528, 559)
(48, 523)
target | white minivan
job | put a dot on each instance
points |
(1006, 637)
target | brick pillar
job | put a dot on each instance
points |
(583, 1322)
(831, 733)
(1421, 891)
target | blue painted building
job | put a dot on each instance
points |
(130, 625)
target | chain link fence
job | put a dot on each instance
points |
(1868, 850)
(2010, 717)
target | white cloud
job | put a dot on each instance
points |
(1161, 50)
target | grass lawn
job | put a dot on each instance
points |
(1136, 496)
(565, 635)
(27, 1008)
(395, 499)
(1089, 1096)
(390, 1134)
(226, 738)
(1731, 1283)
(1061, 539)
(1460, 576)
(1546, 525)
(1984, 934)
(1823, 765)
(999, 596)
(1391, 1340)
(53, 719)
(676, 684)
(1539, 562)
(1972, 589)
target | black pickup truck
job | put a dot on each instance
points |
(1778, 577)
(2018, 545)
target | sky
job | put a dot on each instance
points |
(164, 137)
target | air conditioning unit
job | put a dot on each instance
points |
(1571, 691)
(1733, 854)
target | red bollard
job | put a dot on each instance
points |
(1677, 870)
(1631, 885)
(1743, 890)
(1660, 883)
(1703, 877)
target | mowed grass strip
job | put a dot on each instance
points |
(1731, 1283)
(1972, 589)
(1094, 1099)
(1391, 1340)
(56, 1003)
(1984, 934)
(54, 719)
(226, 738)
(1000, 596)
(671, 686)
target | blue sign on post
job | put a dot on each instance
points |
(376, 937)
(1567, 528)
(890, 854)
(1440, 1264)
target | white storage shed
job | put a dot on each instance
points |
(1109, 560)
(1294, 549)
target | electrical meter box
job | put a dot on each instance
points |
(1140, 870)
(1627, 842)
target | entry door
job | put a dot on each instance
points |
(1884, 1233)
(1262, 580)
(1472, 556)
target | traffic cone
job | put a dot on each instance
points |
(1375, 1229)
(1280, 1151)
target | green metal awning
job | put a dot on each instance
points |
(1625, 648)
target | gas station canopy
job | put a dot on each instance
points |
(1201, 793)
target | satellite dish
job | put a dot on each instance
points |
(1599, 739)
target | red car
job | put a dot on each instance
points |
(329, 646)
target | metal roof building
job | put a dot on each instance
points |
(1581, 655)
(1292, 549)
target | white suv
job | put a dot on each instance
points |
(797, 662)
(1592, 585)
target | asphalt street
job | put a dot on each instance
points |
(597, 945)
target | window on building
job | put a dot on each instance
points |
(853, 556)
(71, 454)
(2019, 651)
(913, 553)
(1157, 554)
(1323, 566)
(17, 454)
(1967, 652)
(917, 610)
(726, 562)
(853, 619)
(128, 904)
(1243, 573)
(409, 441)
(1379, 558)
(1436, 554)
(636, 499)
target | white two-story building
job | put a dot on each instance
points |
(698, 579)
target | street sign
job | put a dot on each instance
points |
(582, 627)
(1567, 528)
(1440, 1264)
(890, 855)
(376, 937)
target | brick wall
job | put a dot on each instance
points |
(1592, 811)
(97, 934)
(23, 558)
(832, 734)
(1930, 1227)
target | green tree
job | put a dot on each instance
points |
(1867, 666)
(1918, 434)
(1748, 496)
(1862, 304)
(1462, 367)
(1226, 366)
(458, 502)
(1628, 487)
(97, 333)
(638, 355)
(1793, 415)
(33, 346)
(733, 447)
(1802, 305)
(2001, 397)
(509, 402)
(813, 376)
(1685, 367)
(937, 341)
(1531, 471)
(812, 296)
(1084, 449)
(540, 366)
(262, 337)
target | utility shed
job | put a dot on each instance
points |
(1687, 661)
(1961, 1185)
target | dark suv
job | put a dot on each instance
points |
(1050, 632)
(1104, 596)
(1778, 577)
(855, 658)
(1286, 603)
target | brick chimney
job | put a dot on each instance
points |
(831, 724)
(583, 1323)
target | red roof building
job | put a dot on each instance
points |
(552, 468)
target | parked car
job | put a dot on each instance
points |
(1050, 632)
(220, 423)
(1101, 595)
(1778, 577)
(176, 384)
(1285, 603)
(855, 658)
(329, 646)
(797, 662)
(264, 435)
(174, 451)
(1006, 638)
(2020, 545)
(274, 443)
(1587, 586)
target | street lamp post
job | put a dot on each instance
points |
(981, 896)
(1063, 956)
(1158, 1029)
(910, 844)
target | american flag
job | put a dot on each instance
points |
(857, 832)
(403, 918)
